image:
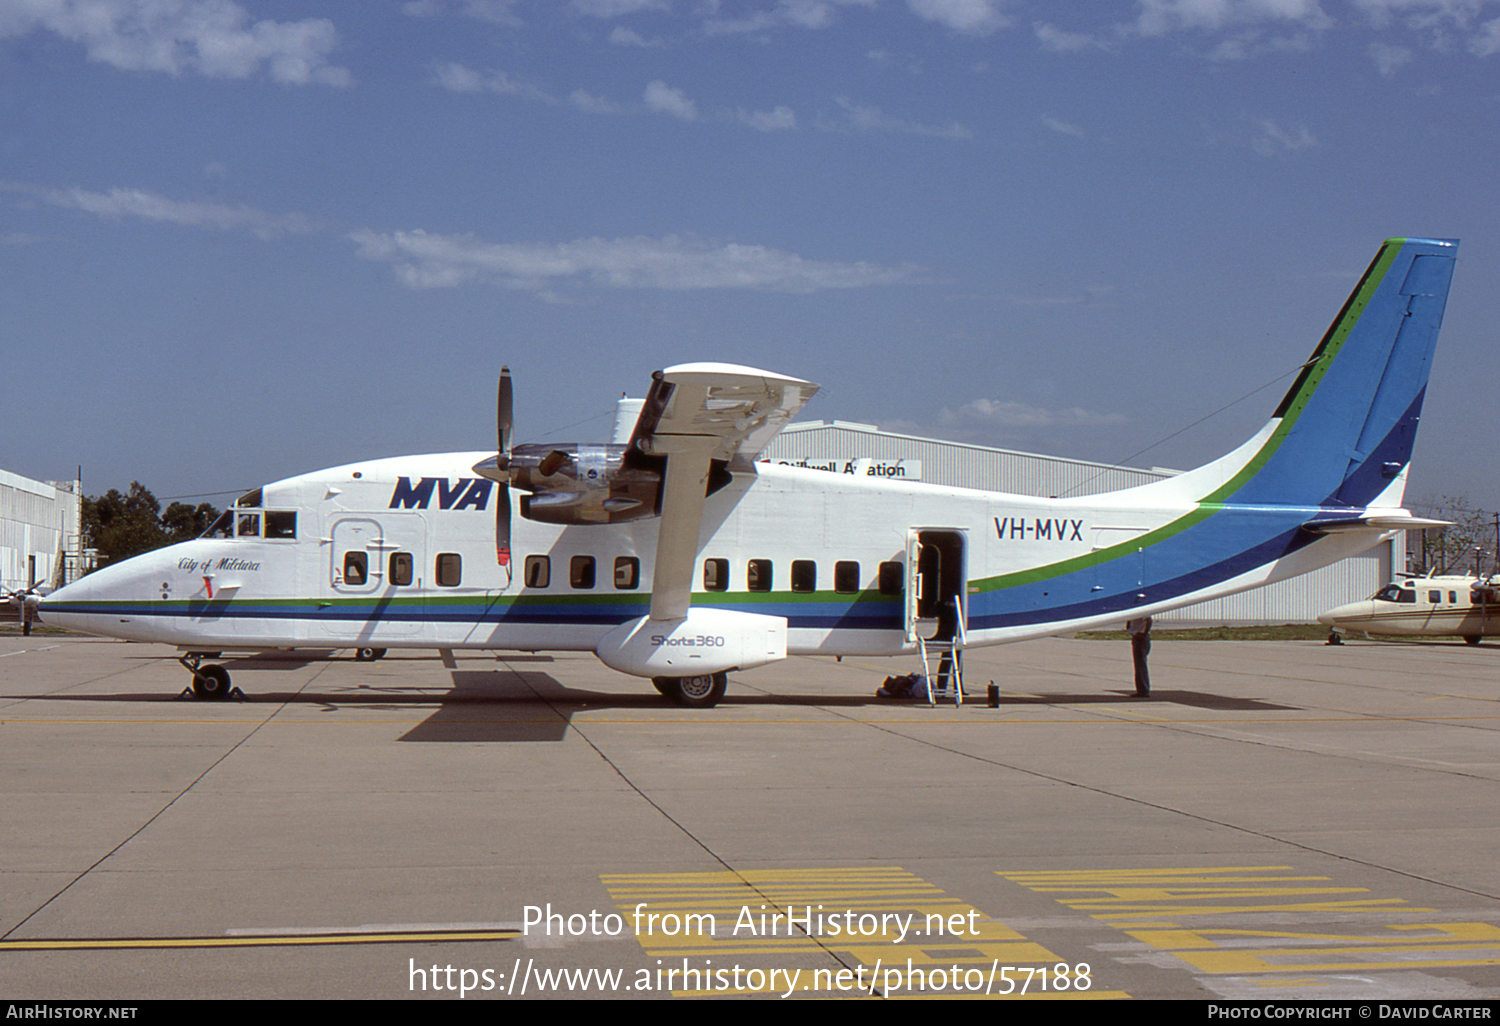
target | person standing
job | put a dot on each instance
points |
(1140, 648)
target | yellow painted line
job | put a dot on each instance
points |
(279, 940)
(1128, 899)
(745, 914)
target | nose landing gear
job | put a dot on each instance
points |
(210, 683)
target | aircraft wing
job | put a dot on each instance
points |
(706, 419)
(741, 407)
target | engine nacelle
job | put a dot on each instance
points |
(707, 640)
(583, 484)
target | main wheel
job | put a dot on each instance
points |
(368, 655)
(701, 692)
(211, 683)
(667, 686)
(1471, 639)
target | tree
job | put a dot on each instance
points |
(1452, 549)
(121, 526)
(184, 523)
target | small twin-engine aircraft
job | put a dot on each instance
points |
(674, 555)
(1424, 607)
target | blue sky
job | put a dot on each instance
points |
(244, 240)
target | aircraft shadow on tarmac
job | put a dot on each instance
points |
(502, 705)
(1192, 699)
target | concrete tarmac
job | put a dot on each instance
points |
(1280, 820)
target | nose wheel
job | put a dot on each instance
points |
(210, 683)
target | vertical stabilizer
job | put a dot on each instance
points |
(1344, 432)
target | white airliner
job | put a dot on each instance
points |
(1424, 607)
(677, 557)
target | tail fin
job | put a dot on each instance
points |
(1343, 434)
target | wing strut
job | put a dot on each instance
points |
(677, 541)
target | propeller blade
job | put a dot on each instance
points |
(503, 410)
(504, 405)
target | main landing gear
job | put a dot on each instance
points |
(210, 683)
(701, 692)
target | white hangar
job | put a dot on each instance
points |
(846, 447)
(41, 532)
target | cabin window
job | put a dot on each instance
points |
(581, 572)
(758, 573)
(403, 568)
(892, 578)
(356, 568)
(281, 523)
(627, 572)
(1434, 597)
(716, 574)
(804, 575)
(538, 571)
(249, 525)
(450, 569)
(1453, 597)
(845, 576)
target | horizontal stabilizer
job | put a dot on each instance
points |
(1379, 525)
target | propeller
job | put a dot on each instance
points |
(25, 601)
(503, 410)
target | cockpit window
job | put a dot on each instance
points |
(249, 499)
(222, 527)
(1395, 593)
(247, 525)
(281, 523)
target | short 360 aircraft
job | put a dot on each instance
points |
(677, 557)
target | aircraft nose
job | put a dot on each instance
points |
(1339, 614)
(67, 606)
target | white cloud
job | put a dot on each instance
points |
(616, 8)
(1389, 59)
(148, 206)
(1487, 42)
(808, 14)
(1056, 40)
(496, 12)
(1272, 140)
(663, 99)
(970, 17)
(864, 118)
(622, 36)
(423, 260)
(1009, 413)
(1062, 127)
(768, 120)
(460, 79)
(1161, 16)
(1253, 42)
(210, 37)
(1420, 14)
(594, 104)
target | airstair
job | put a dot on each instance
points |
(948, 653)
